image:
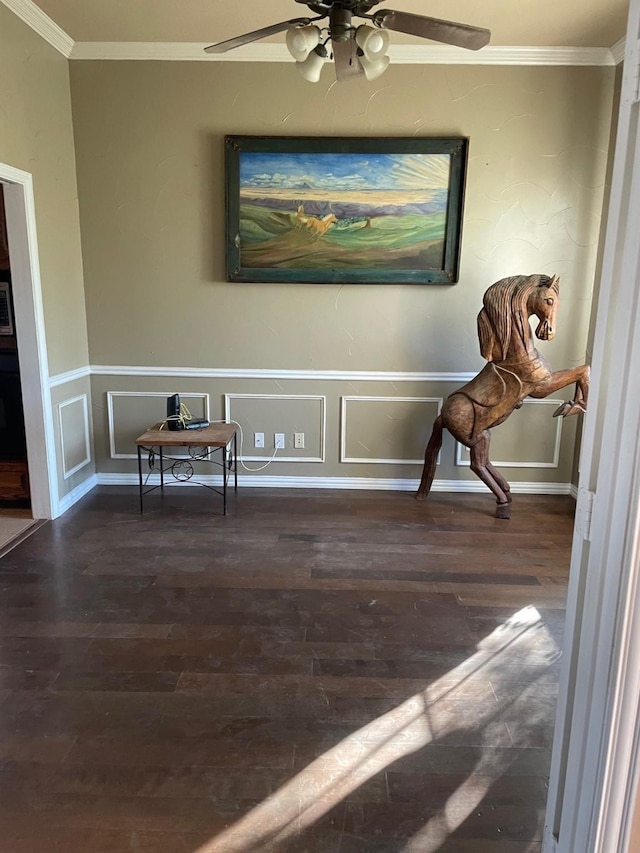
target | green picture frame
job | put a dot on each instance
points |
(361, 210)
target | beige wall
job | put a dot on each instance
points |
(36, 136)
(617, 86)
(160, 317)
(149, 141)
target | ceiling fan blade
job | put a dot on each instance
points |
(255, 35)
(449, 32)
(345, 58)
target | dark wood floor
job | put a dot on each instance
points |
(316, 672)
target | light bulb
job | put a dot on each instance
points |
(374, 68)
(312, 66)
(301, 41)
(373, 43)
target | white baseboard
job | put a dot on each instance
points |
(367, 483)
(76, 494)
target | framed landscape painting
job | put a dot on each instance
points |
(338, 209)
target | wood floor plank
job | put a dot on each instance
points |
(316, 672)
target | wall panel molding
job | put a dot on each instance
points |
(111, 395)
(320, 398)
(464, 461)
(84, 400)
(374, 460)
(248, 478)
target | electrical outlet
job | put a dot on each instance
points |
(298, 440)
(278, 440)
(258, 439)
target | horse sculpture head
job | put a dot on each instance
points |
(507, 306)
(543, 302)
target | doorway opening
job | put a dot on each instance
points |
(27, 361)
(15, 497)
(14, 469)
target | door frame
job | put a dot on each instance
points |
(595, 765)
(31, 338)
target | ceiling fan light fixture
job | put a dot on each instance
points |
(301, 41)
(374, 68)
(340, 24)
(311, 67)
(374, 43)
(356, 50)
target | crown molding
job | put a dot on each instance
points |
(399, 54)
(617, 50)
(499, 55)
(42, 24)
(428, 54)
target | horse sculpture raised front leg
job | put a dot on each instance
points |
(562, 378)
(514, 371)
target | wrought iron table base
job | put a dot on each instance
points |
(181, 468)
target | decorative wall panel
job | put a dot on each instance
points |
(530, 438)
(386, 430)
(73, 420)
(279, 413)
(130, 413)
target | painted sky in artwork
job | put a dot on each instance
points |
(345, 171)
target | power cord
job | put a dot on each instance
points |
(185, 415)
(246, 468)
(182, 418)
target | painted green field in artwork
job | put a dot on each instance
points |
(281, 239)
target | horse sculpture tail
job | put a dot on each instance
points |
(430, 457)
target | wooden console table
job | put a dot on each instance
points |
(203, 444)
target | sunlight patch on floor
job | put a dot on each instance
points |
(522, 645)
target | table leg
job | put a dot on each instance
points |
(235, 462)
(224, 479)
(161, 469)
(140, 476)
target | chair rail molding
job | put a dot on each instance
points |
(269, 373)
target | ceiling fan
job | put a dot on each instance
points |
(356, 50)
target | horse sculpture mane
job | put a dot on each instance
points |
(503, 301)
(514, 370)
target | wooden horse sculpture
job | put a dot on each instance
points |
(515, 370)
